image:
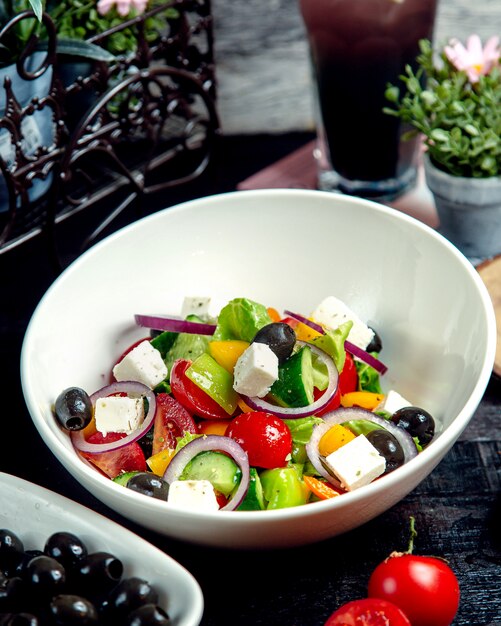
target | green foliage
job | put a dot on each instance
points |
(79, 20)
(14, 42)
(460, 121)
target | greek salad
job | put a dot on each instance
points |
(251, 409)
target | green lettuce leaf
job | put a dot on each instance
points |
(241, 319)
(301, 430)
(332, 342)
(368, 377)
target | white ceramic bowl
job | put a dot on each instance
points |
(34, 513)
(288, 249)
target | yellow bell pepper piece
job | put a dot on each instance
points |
(227, 353)
(364, 399)
(305, 332)
(274, 314)
(245, 408)
(334, 438)
(158, 462)
(213, 427)
(90, 429)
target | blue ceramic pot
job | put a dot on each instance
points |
(38, 129)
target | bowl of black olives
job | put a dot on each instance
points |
(288, 250)
(62, 564)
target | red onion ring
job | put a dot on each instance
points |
(305, 320)
(363, 355)
(259, 404)
(129, 387)
(174, 324)
(340, 416)
(212, 443)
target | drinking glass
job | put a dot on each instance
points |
(357, 48)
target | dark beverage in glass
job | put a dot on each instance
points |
(358, 47)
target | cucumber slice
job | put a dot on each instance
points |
(123, 479)
(294, 387)
(187, 345)
(219, 469)
(254, 498)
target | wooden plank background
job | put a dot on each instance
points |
(262, 59)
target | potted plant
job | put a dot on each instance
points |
(454, 101)
(92, 31)
(29, 77)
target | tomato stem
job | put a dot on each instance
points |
(413, 535)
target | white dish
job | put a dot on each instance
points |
(288, 249)
(34, 513)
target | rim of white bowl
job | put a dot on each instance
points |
(436, 450)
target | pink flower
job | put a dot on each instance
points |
(123, 6)
(474, 60)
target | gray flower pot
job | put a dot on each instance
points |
(469, 210)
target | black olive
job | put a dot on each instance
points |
(148, 615)
(27, 556)
(376, 344)
(388, 446)
(67, 610)
(11, 550)
(279, 337)
(98, 572)
(73, 408)
(417, 422)
(12, 592)
(45, 576)
(130, 594)
(149, 485)
(66, 548)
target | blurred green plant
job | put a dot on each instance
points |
(454, 100)
(79, 20)
(13, 41)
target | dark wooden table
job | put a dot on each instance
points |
(457, 509)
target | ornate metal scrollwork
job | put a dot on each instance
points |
(130, 128)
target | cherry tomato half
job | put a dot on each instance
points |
(130, 458)
(172, 420)
(266, 438)
(368, 612)
(194, 399)
(425, 588)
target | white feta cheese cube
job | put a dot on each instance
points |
(143, 364)
(118, 414)
(195, 305)
(392, 402)
(332, 312)
(255, 370)
(357, 463)
(195, 495)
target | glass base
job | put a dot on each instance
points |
(380, 190)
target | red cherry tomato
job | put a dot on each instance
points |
(130, 458)
(194, 399)
(266, 438)
(368, 612)
(425, 588)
